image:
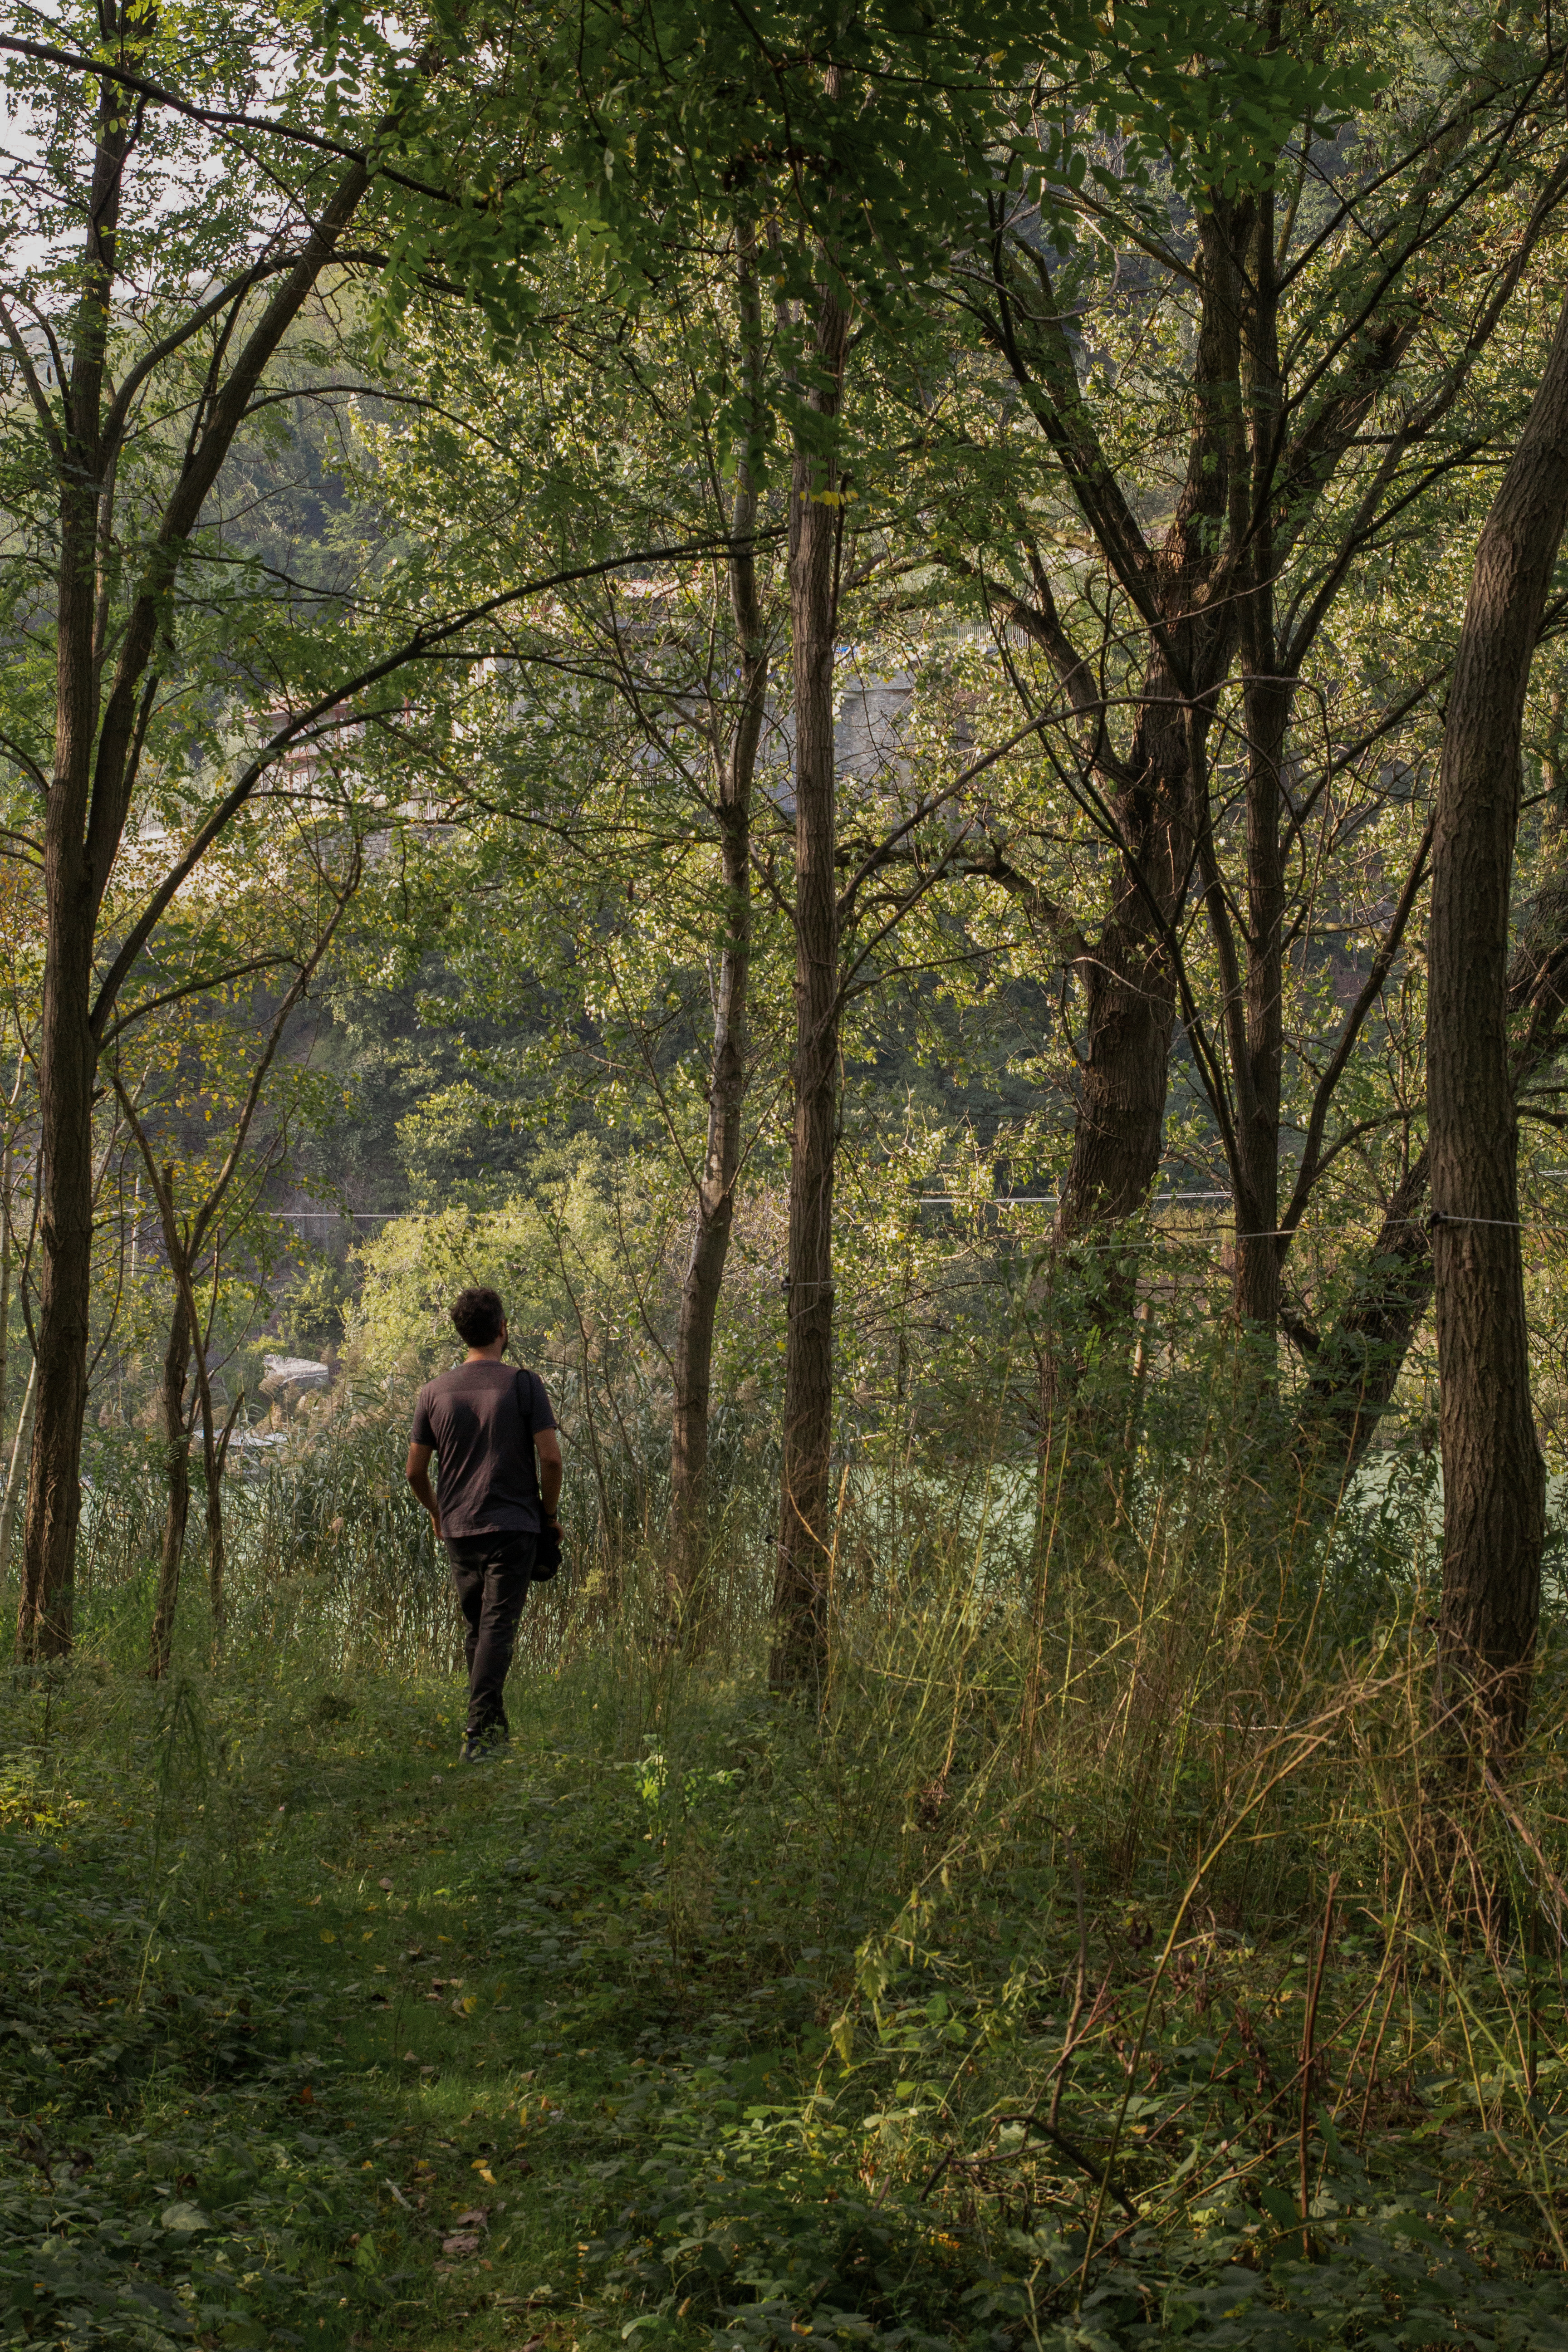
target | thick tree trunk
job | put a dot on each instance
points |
(1493, 1476)
(1128, 986)
(1158, 802)
(800, 1589)
(177, 1476)
(1129, 1018)
(727, 1070)
(1128, 979)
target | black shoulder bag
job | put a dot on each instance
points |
(547, 1543)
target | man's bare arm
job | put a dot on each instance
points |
(547, 1446)
(418, 1473)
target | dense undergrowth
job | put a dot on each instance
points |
(1078, 1977)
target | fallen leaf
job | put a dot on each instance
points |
(307, 2096)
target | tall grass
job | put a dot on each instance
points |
(1103, 1920)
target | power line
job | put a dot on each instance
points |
(334, 1216)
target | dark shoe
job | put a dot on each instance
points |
(483, 1748)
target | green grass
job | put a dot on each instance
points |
(689, 2024)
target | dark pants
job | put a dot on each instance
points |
(492, 1575)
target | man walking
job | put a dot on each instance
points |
(485, 1423)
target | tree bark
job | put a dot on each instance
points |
(800, 1589)
(66, 1048)
(693, 1360)
(1158, 794)
(15, 1470)
(1126, 976)
(5, 1166)
(1256, 1292)
(214, 1454)
(177, 1476)
(1354, 1367)
(1494, 1480)
(1267, 701)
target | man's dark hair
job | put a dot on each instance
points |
(479, 1316)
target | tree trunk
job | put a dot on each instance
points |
(1128, 987)
(800, 1589)
(1128, 1020)
(6, 1168)
(1157, 797)
(15, 1471)
(1355, 1366)
(1494, 1481)
(214, 1454)
(1128, 979)
(727, 1068)
(66, 1048)
(1256, 1292)
(88, 801)
(1267, 704)
(177, 1474)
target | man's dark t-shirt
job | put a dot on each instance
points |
(480, 1419)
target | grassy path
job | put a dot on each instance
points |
(312, 2032)
(687, 2028)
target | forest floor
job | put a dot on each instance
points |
(309, 2036)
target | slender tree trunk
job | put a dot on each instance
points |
(1267, 705)
(1494, 1481)
(214, 1454)
(66, 1051)
(89, 800)
(177, 1476)
(727, 1069)
(1355, 1366)
(1255, 1294)
(6, 1170)
(16, 1470)
(800, 1589)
